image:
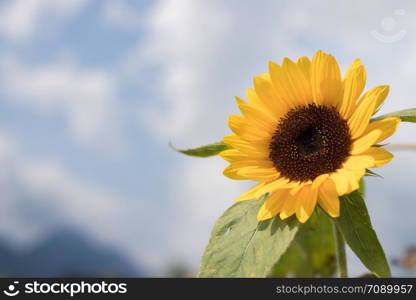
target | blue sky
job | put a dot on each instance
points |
(91, 92)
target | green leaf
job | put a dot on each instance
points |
(369, 172)
(362, 188)
(355, 225)
(406, 115)
(294, 263)
(242, 247)
(203, 151)
(312, 254)
(317, 240)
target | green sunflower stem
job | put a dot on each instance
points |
(340, 250)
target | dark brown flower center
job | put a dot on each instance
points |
(310, 141)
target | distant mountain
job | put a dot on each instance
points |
(66, 253)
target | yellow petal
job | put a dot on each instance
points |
(266, 108)
(296, 84)
(296, 189)
(289, 206)
(272, 205)
(267, 94)
(282, 87)
(232, 172)
(234, 141)
(354, 84)
(239, 160)
(269, 106)
(358, 162)
(250, 194)
(305, 65)
(307, 198)
(365, 108)
(328, 198)
(254, 163)
(325, 79)
(266, 76)
(236, 123)
(260, 174)
(253, 99)
(379, 93)
(356, 173)
(319, 180)
(232, 155)
(380, 156)
(345, 181)
(365, 142)
(281, 183)
(247, 130)
(248, 168)
(361, 117)
(386, 126)
(259, 118)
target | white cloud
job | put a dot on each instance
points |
(83, 203)
(20, 19)
(180, 36)
(42, 195)
(118, 14)
(202, 194)
(86, 97)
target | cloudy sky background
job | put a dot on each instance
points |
(91, 92)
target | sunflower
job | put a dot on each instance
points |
(306, 137)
